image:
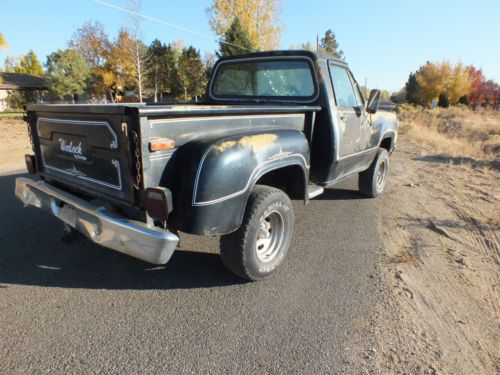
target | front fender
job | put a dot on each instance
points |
(386, 124)
(227, 170)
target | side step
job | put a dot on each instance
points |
(314, 190)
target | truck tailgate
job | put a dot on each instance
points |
(86, 153)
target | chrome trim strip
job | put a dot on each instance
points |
(160, 157)
(357, 153)
(115, 163)
(247, 185)
(182, 119)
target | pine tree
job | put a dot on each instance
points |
(191, 75)
(161, 68)
(67, 72)
(330, 45)
(411, 89)
(235, 40)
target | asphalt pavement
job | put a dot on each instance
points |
(83, 309)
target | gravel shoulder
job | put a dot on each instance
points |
(439, 268)
(14, 143)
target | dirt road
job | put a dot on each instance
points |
(440, 266)
(13, 145)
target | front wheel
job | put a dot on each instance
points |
(260, 244)
(372, 181)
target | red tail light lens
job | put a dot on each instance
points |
(158, 202)
(30, 163)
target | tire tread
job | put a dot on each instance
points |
(232, 245)
(366, 182)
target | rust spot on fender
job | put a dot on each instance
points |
(224, 146)
(259, 141)
(256, 142)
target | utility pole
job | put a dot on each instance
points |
(317, 43)
(366, 89)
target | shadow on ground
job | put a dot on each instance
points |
(32, 253)
(339, 194)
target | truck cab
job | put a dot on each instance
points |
(274, 126)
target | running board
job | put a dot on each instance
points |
(314, 191)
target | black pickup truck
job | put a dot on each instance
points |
(273, 126)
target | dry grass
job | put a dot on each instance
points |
(456, 131)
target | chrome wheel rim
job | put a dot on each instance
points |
(270, 236)
(382, 172)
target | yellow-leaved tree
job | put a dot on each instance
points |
(92, 42)
(443, 79)
(119, 70)
(259, 17)
(459, 84)
(432, 80)
(3, 42)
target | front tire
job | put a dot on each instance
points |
(260, 244)
(372, 182)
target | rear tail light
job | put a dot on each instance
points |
(30, 163)
(160, 144)
(158, 202)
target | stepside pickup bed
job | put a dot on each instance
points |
(274, 126)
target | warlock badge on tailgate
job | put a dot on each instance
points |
(74, 149)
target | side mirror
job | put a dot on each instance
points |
(373, 101)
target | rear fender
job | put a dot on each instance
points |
(226, 171)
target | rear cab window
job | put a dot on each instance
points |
(282, 79)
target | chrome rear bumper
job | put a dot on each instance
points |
(101, 226)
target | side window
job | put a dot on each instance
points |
(359, 96)
(342, 86)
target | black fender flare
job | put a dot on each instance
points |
(391, 135)
(224, 172)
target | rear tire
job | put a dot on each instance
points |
(372, 182)
(260, 244)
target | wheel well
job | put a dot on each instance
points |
(386, 143)
(290, 179)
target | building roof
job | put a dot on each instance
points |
(15, 81)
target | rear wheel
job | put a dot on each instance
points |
(372, 181)
(260, 244)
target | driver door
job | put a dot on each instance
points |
(354, 129)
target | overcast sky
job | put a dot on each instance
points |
(383, 41)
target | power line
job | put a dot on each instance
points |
(162, 22)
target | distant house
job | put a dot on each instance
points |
(14, 81)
